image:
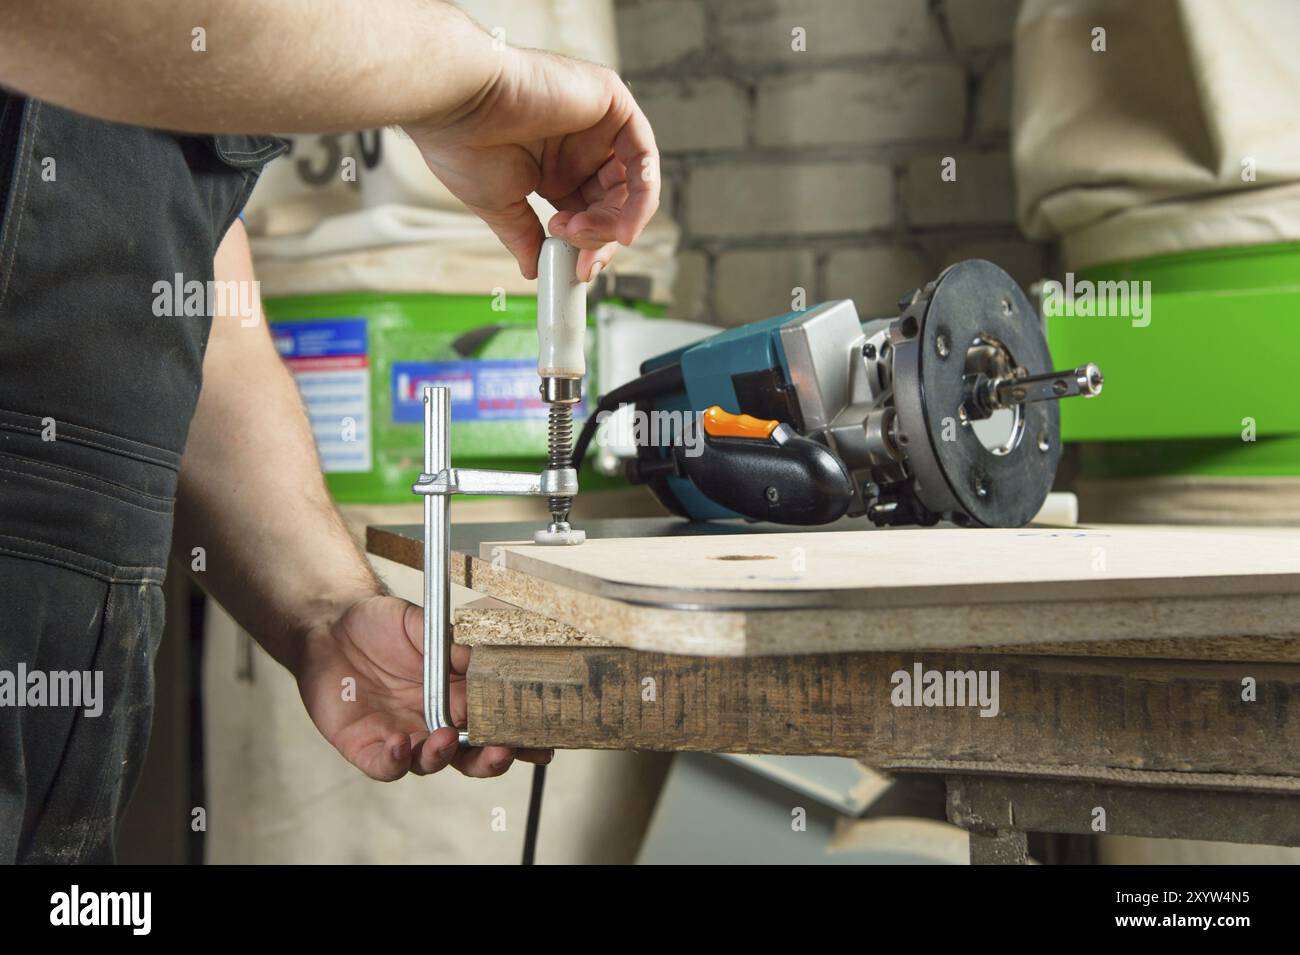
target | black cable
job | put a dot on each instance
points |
(585, 435)
(667, 378)
(534, 814)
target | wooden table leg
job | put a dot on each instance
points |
(994, 840)
(998, 811)
(998, 847)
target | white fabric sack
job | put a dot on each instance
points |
(1183, 134)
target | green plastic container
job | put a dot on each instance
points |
(1217, 362)
(361, 361)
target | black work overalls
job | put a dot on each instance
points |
(96, 396)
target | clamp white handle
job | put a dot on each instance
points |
(561, 312)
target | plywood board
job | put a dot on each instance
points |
(489, 622)
(1042, 624)
(917, 567)
(927, 589)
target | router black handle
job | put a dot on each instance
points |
(784, 478)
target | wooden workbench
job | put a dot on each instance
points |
(1148, 678)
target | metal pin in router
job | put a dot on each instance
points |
(986, 395)
(561, 363)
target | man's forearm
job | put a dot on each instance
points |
(265, 66)
(275, 552)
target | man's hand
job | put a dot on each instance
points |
(566, 129)
(494, 122)
(361, 680)
(253, 497)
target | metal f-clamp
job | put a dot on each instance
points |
(438, 482)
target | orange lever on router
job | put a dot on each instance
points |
(724, 424)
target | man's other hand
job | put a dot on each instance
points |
(361, 680)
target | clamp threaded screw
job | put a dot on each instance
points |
(559, 454)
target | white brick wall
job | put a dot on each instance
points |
(874, 277)
(762, 31)
(740, 200)
(981, 192)
(871, 104)
(980, 23)
(750, 284)
(656, 33)
(993, 105)
(692, 115)
(820, 167)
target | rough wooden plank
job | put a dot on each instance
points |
(1129, 714)
(991, 806)
(1229, 648)
(1106, 775)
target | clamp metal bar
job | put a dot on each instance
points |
(438, 482)
(437, 561)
